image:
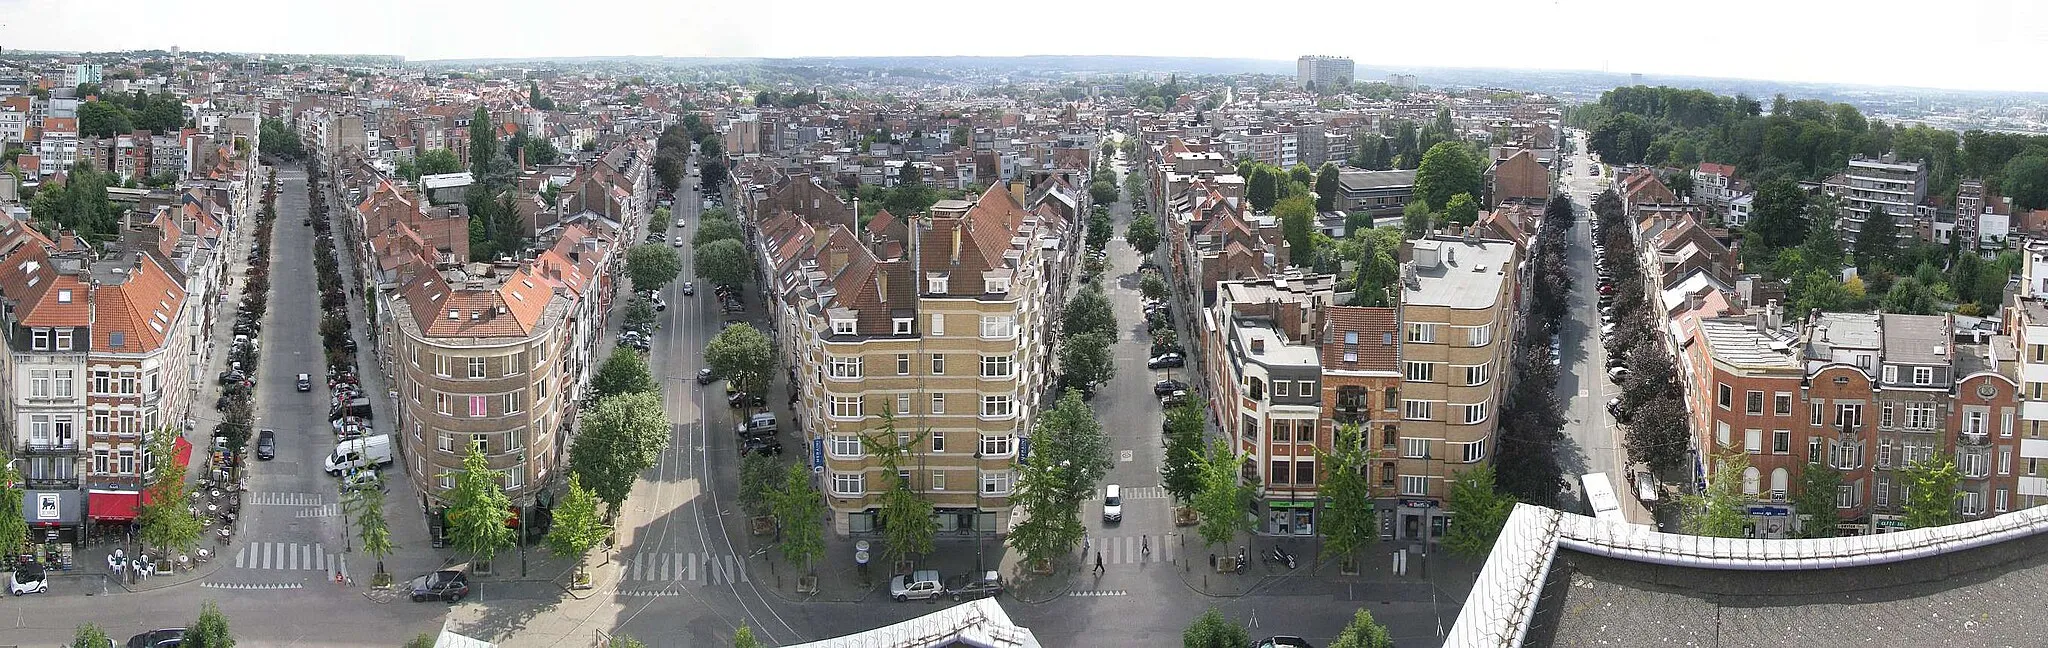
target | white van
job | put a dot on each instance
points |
(364, 452)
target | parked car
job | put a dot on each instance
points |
(681, 222)
(1168, 386)
(738, 399)
(1617, 373)
(989, 583)
(166, 638)
(705, 376)
(266, 445)
(767, 445)
(1176, 399)
(760, 424)
(921, 584)
(1283, 641)
(448, 585)
(1166, 361)
(29, 578)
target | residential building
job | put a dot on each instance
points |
(939, 321)
(1983, 218)
(1714, 183)
(59, 146)
(1267, 337)
(1516, 176)
(1877, 184)
(1323, 72)
(1361, 357)
(1459, 314)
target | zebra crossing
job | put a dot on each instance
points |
(287, 499)
(1145, 493)
(321, 511)
(1129, 550)
(669, 567)
(291, 556)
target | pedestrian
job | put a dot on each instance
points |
(1098, 563)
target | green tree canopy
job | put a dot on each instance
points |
(90, 636)
(1211, 630)
(1224, 499)
(621, 437)
(210, 631)
(1480, 511)
(800, 510)
(1262, 188)
(1719, 511)
(436, 162)
(1297, 216)
(742, 355)
(652, 265)
(1327, 188)
(623, 372)
(1142, 234)
(1349, 520)
(13, 525)
(1931, 493)
(483, 142)
(724, 263)
(1814, 501)
(1448, 169)
(1181, 472)
(1364, 632)
(1153, 286)
(578, 526)
(715, 229)
(2026, 180)
(1086, 360)
(1462, 210)
(166, 522)
(1089, 311)
(1415, 220)
(478, 509)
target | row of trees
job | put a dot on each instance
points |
(1721, 510)
(1401, 143)
(672, 154)
(279, 140)
(1211, 630)
(1652, 399)
(79, 204)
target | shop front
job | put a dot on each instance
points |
(1768, 522)
(1887, 523)
(1291, 517)
(52, 515)
(1419, 519)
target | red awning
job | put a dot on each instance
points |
(183, 449)
(106, 505)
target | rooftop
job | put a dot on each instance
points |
(1737, 341)
(1362, 180)
(1917, 339)
(1456, 273)
(1258, 342)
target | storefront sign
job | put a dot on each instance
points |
(50, 508)
(1418, 503)
(46, 506)
(1306, 504)
(1769, 511)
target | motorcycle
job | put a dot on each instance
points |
(1280, 555)
(1243, 559)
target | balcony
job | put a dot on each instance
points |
(59, 448)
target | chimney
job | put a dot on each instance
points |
(1258, 346)
(1774, 315)
(521, 153)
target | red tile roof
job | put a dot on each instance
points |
(1360, 338)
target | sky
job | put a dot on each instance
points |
(1963, 44)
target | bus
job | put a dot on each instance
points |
(1600, 496)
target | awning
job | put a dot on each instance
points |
(112, 505)
(44, 508)
(183, 450)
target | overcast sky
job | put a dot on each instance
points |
(1971, 44)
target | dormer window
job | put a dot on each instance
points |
(454, 314)
(39, 339)
(999, 285)
(938, 285)
(64, 339)
(64, 296)
(903, 325)
(842, 327)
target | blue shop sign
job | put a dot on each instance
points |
(1770, 511)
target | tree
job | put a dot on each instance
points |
(1099, 229)
(371, 528)
(1718, 512)
(1779, 214)
(210, 631)
(1877, 241)
(800, 510)
(478, 508)
(166, 522)
(535, 98)
(652, 265)
(724, 263)
(1086, 360)
(1931, 493)
(760, 475)
(1069, 436)
(1262, 189)
(1364, 632)
(1224, 498)
(1349, 520)
(1415, 220)
(1815, 500)
(1181, 472)
(743, 356)
(715, 229)
(483, 141)
(905, 516)
(1089, 311)
(103, 119)
(621, 437)
(1327, 188)
(1462, 210)
(436, 162)
(1479, 512)
(1152, 286)
(624, 641)
(541, 151)
(2026, 180)
(1448, 169)
(422, 640)
(1908, 297)
(1211, 630)
(1142, 234)
(13, 525)
(1297, 216)
(624, 372)
(744, 638)
(578, 526)
(277, 139)
(1680, 184)
(640, 312)
(90, 636)
(1052, 514)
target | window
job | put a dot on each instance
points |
(39, 384)
(1919, 416)
(938, 323)
(1414, 485)
(938, 403)
(515, 401)
(1817, 409)
(1280, 430)
(448, 480)
(479, 406)
(482, 443)
(1255, 389)
(1393, 398)
(1891, 374)
(1753, 441)
(1973, 464)
(997, 483)
(902, 364)
(1305, 431)
(1281, 388)
(445, 442)
(1884, 454)
(938, 441)
(1422, 332)
(1479, 336)
(1847, 456)
(39, 339)
(846, 445)
(62, 380)
(1474, 413)
(996, 327)
(1475, 451)
(2005, 423)
(1813, 450)
(1421, 372)
(938, 364)
(1726, 396)
(442, 405)
(1783, 403)
(848, 484)
(902, 404)
(997, 285)
(1923, 375)
(476, 367)
(1306, 387)
(1972, 503)
(1753, 403)
(938, 480)
(1845, 496)
(127, 461)
(1883, 494)
(1278, 473)
(1884, 414)
(995, 366)
(1415, 448)
(842, 327)
(902, 325)
(102, 381)
(1415, 410)
(996, 406)
(440, 365)
(938, 284)
(514, 478)
(99, 459)
(996, 446)
(1478, 374)
(845, 407)
(1781, 441)
(63, 339)
(2005, 461)
(1998, 501)
(844, 367)
(1849, 416)
(1304, 473)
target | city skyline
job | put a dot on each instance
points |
(1747, 39)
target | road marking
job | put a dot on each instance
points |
(690, 567)
(321, 511)
(286, 499)
(1144, 492)
(253, 586)
(285, 556)
(1100, 593)
(1125, 455)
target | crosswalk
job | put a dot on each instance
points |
(254, 586)
(717, 569)
(1129, 550)
(287, 499)
(291, 556)
(321, 511)
(1145, 493)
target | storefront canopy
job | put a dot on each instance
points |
(46, 508)
(112, 505)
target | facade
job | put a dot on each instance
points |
(938, 322)
(1323, 72)
(1459, 312)
(59, 146)
(1382, 194)
(1872, 184)
(1361, 356)
(1268, 338)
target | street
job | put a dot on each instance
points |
(1595, 441)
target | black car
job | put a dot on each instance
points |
(1168, 361)
(266, 445)
(741, 399)
(705, 376)
(767, 445)
(1283, 641)
(165, 638)
(1168, 386)
(689, 289)
(448, 585)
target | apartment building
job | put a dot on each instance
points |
(939, 321)
(13, 123)
(59, 146)
(1884, 183)
(1714, 183)
(1459, 308)
(2026, 321)
(1361, 356)
(1266, 335)
(1323, 72)
(1983, 218)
